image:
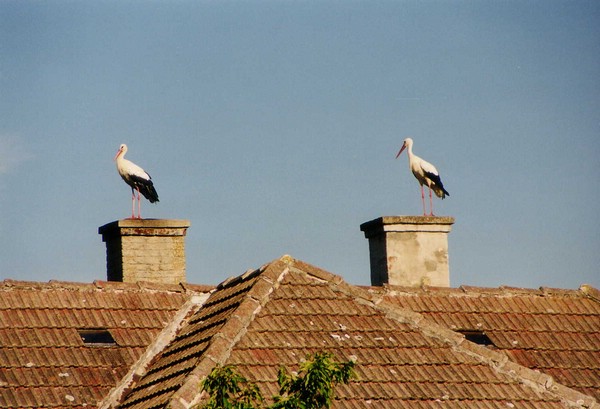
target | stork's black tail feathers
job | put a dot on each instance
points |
(445, 191)
(145, 186)
(147, 189)
(437, 186)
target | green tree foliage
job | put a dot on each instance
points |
(230, 390)
(312, 387)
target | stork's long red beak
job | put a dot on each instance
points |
(117, 155)
(401, 149)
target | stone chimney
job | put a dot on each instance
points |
(409, 250)
(145, 250)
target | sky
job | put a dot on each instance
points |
(273, 127)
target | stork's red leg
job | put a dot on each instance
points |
(430, 203)
(423, 200)
(139, 204)
(132, 203)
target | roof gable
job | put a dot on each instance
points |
(201, 343)
(276, 315)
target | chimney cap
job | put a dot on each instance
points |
(146, 223)
(406, 223)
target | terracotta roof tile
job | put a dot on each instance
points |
(407, 356)
(403, 360)
(44, 362)
(556, 331)
(180, 357)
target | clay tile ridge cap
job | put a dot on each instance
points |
(585, 290)
(11, 284)
(590, 292)
(496, 360)
(139, 368)
(273, 273)
(222, 343)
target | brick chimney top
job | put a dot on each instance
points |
(145, 250)
(409, 250)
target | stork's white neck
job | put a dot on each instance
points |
(409, 150)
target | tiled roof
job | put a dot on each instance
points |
(276, 315)
(44, 360)
(554, 331)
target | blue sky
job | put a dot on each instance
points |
(273, 125)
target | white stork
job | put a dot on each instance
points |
(425, 173)
(137, 178)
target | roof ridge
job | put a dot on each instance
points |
(9, 284)
(246, 295)
(316, 272)
(495, 359)
(590, 292)
(222, 342)
(468, 290)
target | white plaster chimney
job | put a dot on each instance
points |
(409, 250)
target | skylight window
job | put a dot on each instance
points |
(96, 337)
(476, 336)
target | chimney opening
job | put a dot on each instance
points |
(96, 337)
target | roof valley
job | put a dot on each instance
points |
(139, 368)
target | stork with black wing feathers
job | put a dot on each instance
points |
(137, 178)
(426, 174)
